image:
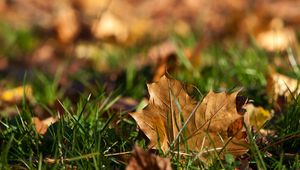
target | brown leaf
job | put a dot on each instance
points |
(43, 54)
(280, 88)
(3, 62)
(212, 124)
(141, 160)
(163, 56)
(42, 125)
(287, 10)
(276, 37)
(110, 27)
(124, 103)
(67, 24)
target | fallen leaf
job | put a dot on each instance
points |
(67, 24)
(280, 88)
(267, 132)
(3, 6)
(164, 58)
(276, 37)
(210, 125)
(287, 10)
(244, 163)
(3, 63)
(16, 94)
(43, 54)
(42, 125)
(258, 116)
(141, 160)
(110, 27)
(124, 103)
(182, 28)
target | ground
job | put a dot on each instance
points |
(74, 73)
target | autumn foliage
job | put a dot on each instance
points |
(73, 91)
(173, 119)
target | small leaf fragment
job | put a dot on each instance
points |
(16, 94)
(141, 160)
(281, 88)
(258, 116)
(42, 125)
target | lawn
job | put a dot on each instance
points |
(84, 99)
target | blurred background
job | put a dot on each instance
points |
(118, 42)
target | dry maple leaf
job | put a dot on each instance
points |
(145, 160)
(172, 116)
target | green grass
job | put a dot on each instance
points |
(16, 41)
(91, 134)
